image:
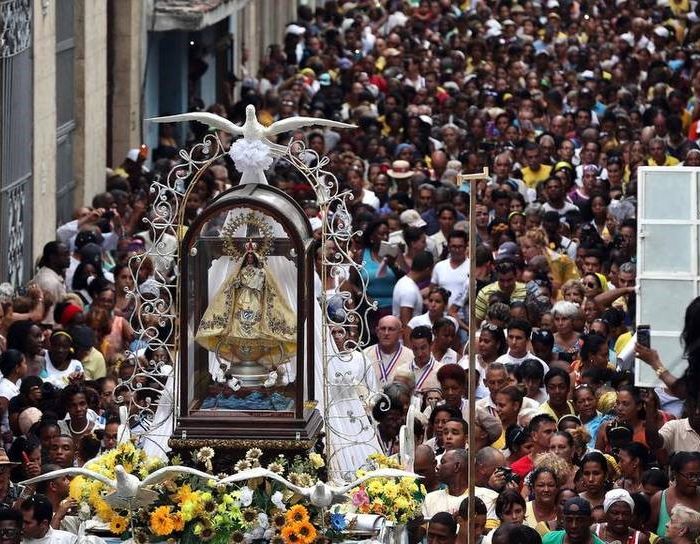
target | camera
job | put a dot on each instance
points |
(509, 475)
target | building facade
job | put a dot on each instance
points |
(77, 80)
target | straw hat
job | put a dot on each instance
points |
(400, 170)
(4, 459)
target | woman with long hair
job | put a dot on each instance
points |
(594, 470)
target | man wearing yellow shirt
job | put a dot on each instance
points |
(535, 171)
(657, 154)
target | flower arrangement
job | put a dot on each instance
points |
(192, 509)
(90, 493)
(398, 501)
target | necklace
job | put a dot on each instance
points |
(72, 430)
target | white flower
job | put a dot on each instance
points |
(277, 468)
(250, 155)
(84, 512)
(277, 500)
(246, 496)
(257, 533)
(269, 533)
(263, 520)
(253, 453)
(243, 464)
(205, 454)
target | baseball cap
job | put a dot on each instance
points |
(576, 506)
(324, 79)
(91, 253)
(85, 237)
(412, 218)
(507, 251)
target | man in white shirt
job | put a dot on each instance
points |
(387, 355)
(51, 277)
(452, 472)
(407, 298)
(447, 217)
(36, 529)
(518, 337)
(424, 368)
(453, 272)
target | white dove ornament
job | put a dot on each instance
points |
(129, 492)
(253, 153)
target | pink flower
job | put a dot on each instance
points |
(360, 497)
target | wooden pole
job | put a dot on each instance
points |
(473, 180)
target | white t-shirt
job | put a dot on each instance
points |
(53, 536)
(369, 198)
(59, 378)
(453, 279)
(508, 359)
(407, 295)
(423, 320)
(566, 208)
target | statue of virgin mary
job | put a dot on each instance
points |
(249, 319)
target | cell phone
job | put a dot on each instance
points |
(644, 335)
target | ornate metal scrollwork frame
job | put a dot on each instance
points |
(166, 219)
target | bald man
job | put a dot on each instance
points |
(388, 355)
(425, 465)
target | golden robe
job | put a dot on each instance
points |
(249, 319)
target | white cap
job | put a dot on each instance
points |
(661, 31)
(551, 4)
(587, 74)
(295, 29)
(628, 37)
(493, 32)
(133, 154)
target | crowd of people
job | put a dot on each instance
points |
(563, 101)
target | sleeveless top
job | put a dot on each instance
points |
(631, 539)
(664, 518)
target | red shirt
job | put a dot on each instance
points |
(523, 466)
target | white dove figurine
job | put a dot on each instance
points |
(251, 153)
(129, 492)
(320, 494)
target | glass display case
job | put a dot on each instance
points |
(246, 321)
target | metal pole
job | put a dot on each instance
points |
(473, 180)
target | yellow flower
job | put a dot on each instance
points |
(103, 510)
(402, 503)
(297, 514)
(316, 460)
(76, 488)
(118, 524)
(391, 490)
(306, 532)
(178, 522)
(161, 522)
(289, 534)
(183, 494)
(374, 487)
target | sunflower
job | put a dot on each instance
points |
(306, 532)
(209, 506)
(207, 533)
(118, 524)
(183, 494)
(279, 520)
(237, 537)
(297, 513)
(289, 534)
(161, 522)
(250, 515)
(277, 539)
